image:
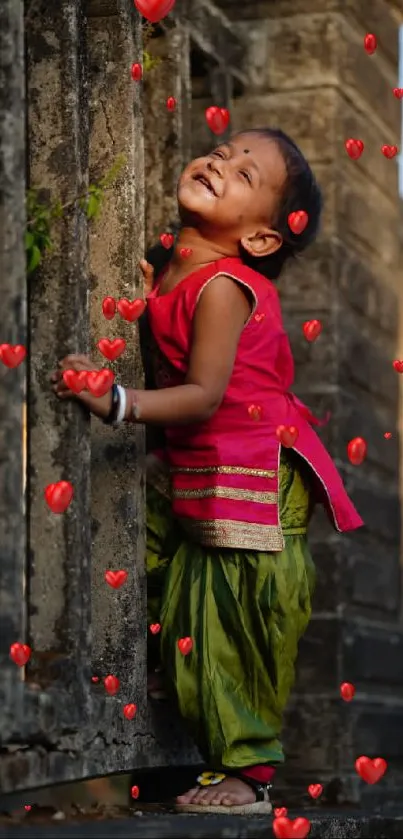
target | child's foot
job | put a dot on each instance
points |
(230, 792)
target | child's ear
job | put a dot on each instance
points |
(262, 243)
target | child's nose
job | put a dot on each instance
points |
(216, 166)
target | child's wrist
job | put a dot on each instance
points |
(132, 407)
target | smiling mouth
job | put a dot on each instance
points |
(203, 180)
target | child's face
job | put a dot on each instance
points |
(232, 194)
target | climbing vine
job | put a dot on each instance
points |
(41, 215)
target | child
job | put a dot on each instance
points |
(230, 496)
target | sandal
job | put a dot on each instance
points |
(262, 805)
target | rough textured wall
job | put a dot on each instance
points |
(311, 76)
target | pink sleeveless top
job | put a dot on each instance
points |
(225, 471)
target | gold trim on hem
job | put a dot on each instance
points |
(231, 493)
(224, 470)
(221, 533)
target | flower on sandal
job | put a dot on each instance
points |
(207, 779)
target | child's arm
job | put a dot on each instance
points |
(219, 320)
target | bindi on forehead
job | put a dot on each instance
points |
(246, 151)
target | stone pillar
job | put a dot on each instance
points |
(310, 75)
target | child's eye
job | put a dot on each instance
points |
(217, 154)
(247, 176)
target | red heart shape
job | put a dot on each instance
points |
(354, 148)
(130, 710)
(371, 771)
(115, 579)
(27, 807)
(136, 72)
(284, 828)
(131, 311)
(185, 645)
(315, 790)
(347, 691)
(390, 151)
(398, 92)
(12, 355)
(154, 10)
(112, 685)
(370, 43)
(217, 119)
(155, 628)
(100, 381)
(280, 811)
(387, 435)
(95, 679)
(58, 496)
(288, 435)
(109, 307)
(167, 240)
(357, 451)
(135, 792)
(312, 329)
(20, 654)
(171, 103)
(298, 221)
(398, 365)
(111, 349)
(76, 382)
(255, 412)
(260, 317)
(185, 252)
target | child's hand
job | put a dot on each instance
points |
(98, 405)
(147, 271)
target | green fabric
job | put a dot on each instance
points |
(245, 612)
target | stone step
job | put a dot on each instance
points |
(331, 825)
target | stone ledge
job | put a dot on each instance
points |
(331, 825)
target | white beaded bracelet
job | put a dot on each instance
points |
(122, 406)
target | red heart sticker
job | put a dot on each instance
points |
(217, 119)
(288, 435)
(171, 103)
(27, 807)
(136, 72)
(58, 496)
(167, 240)
(298, 221)
(347, 691)
(154, 10)
(354, 148)
(315, 790)
(312, 330)
(131, 311)
(280, 811)
(116, 579)
(109, 307)
(357, 451)
(112, 685)
(185, 645)
(76, 382)
(135, 792)
(398, 92)
(12, 355)
(389, 151)
(130, 710)
(111, 349)
(260, 317)
(398, 365)
(95, 679)
(20, 654)
(371, 771)
(284, 828)
(185, 252)
(255, 412)
(155, 628)
(387, 435)
(370, 43)
(100, 381)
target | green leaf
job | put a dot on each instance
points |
(35, 259)
(29, 240)
(92, 206)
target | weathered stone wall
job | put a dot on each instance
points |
(310, 75)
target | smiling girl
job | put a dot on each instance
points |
(230, 496)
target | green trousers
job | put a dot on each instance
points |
(245, 612)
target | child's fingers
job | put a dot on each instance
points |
(148, 273)
(77, 363)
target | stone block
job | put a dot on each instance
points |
(373, 654)
(319, 651)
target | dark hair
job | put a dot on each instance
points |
(300, 192)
